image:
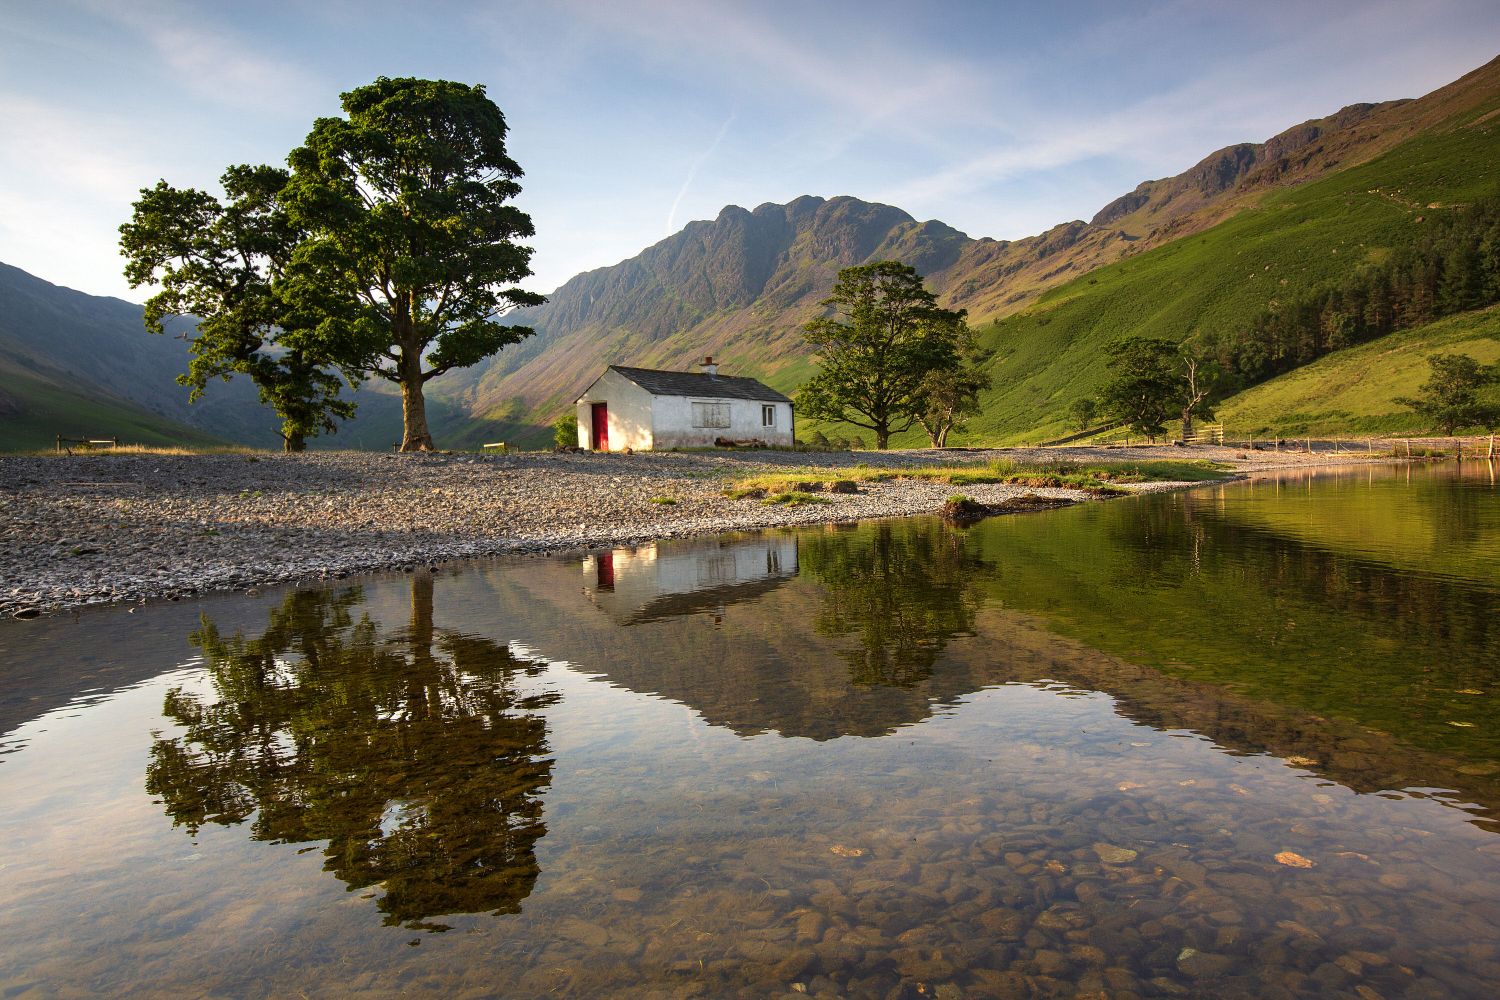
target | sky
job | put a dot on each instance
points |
(633, 117)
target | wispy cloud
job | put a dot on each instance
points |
(687, 182)
(209, 59)
(865, 78)
(1246, 100)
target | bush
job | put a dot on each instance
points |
(565, 431)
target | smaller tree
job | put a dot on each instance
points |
(1450, 397)
(1202, 378)
(876, 356)
(1146, 388)
(1082, 413)
(949, 396)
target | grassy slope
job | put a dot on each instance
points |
(1053, 353)
(1353, 391)
(47, 410)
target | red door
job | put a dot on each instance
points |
(600, 427)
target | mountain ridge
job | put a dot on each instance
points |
(694, 292)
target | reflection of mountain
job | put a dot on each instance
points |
(1204, 587)
(670, 579)
(414, 755)
(850, 647)
(1353, 755)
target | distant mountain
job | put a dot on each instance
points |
(742, 285)
(1369, 188)
(84, 366)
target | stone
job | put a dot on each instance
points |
(1200, 964)
(1112, 854)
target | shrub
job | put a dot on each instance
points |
(565, 431)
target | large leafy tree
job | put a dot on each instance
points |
(219, 261)
(1451, 396)
(409, 253)
(876, 354)
(1145, 387)
(388, 250)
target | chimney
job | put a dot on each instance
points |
(709, 368)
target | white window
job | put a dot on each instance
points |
(768, 416)
(710, 414)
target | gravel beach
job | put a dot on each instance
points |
(103, 528)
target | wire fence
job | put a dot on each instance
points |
(1458, 446)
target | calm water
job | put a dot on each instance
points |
(1235, 742)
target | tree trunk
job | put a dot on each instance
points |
(1187, 424)
(414, 436)
(293, 442)
(882, 437)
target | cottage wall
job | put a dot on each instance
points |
(629, 413)
(672, 423)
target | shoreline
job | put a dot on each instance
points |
(94, 530)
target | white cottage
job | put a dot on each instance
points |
(642, 409)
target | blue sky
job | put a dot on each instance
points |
(633, 118)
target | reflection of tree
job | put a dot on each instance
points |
(903, 589)
(413, 755)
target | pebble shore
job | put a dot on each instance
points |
(96, 529)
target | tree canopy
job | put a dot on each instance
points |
(220, 261)
(888, 338)
(1145, 387)
(388, 250)
(949, 396)
(410, 254)
(1450, 397)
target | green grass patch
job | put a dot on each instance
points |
(1094, 477)
(795, 498)
(663, 501)
(1354, 391)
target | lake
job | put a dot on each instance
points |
(1235, 742)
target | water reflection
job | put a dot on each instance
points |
(900, 590)
(1371, 599)
(412, 754)
(1145, 748)
(817, 634)
(663, 580)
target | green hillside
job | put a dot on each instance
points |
(1353, 391)
(34, 411)
(1054, 352)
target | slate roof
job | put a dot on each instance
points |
(660, 383)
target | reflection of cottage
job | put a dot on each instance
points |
(641, 408)
(674, 578)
